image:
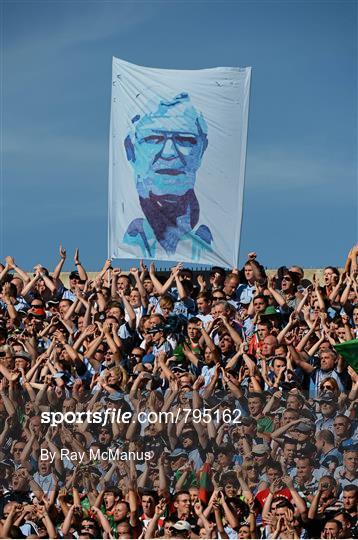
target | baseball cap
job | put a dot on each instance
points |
(22, 354)
(53, 303)
(155, 329)
(350, 445)
(115, 396)
(178, 452)
(327, 397)
(74, 275)
(178, 369)
(304, 428)
(260, 449)
(38, 313)
(270, 311)
(181, 525)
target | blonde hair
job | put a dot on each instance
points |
(166, 301)
(7, 349)
(122, 375)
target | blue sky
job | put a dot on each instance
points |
(300, 201)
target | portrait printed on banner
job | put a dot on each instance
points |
(165, 148)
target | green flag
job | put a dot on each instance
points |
(349, 351)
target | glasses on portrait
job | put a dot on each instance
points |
(160, 138)
(286, 278)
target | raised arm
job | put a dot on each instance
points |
(297, 359)
(58, 269)
(153, 523)
(129, 311)
(47, 280)
(233, 333)
(318, 293)
(291, 322)
(313, 510)
(30, 285)
(179, 285)
(9, 306)
(139, 285)
(296, 498)
(276, 295)
(161, 289)
(20, 272)
(81, 271)
(346, 290)
(210, 388)
(277, 434)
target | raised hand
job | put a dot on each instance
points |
(6, 289)
(77, 257)
(293, 317)
(287, 480)
(353, 375)
(62, 252)
(160, 507)
(275, 486)
(176, 269)
(134, 272)
(10, 261)
(59, 337)
(217, 279)
(38, 268)
(90, 330)
(198, 508)
(201, 281)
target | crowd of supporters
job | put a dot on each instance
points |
(262, 439)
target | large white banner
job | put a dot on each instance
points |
(177, 163)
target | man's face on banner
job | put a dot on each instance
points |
(167, 148)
